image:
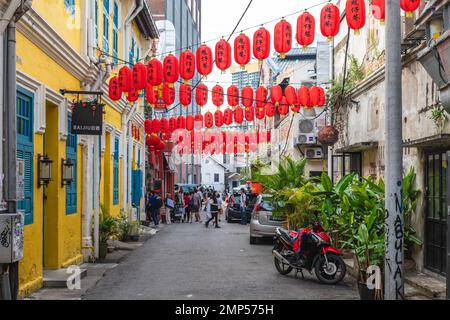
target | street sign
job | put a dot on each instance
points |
(87, 118)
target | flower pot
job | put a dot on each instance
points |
(365, 293)
(102, 250)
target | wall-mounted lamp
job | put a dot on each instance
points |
(67, 172)
(44, 170)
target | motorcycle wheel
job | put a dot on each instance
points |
(281, 267)
(334, 273)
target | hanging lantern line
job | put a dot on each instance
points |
(218, 38)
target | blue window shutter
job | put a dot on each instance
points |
(71, 154)
(25, 149)
(96, 22)
(106, 19)
(116, 32)
(116, 172)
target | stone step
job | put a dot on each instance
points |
(427, 285)
(58, 278)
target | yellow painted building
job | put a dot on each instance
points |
(76, 45)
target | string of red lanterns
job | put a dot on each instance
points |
(143, 77)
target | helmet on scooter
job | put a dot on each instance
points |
(317, 227)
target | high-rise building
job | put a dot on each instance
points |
(179, 22)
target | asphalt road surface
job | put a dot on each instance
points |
(189, 261)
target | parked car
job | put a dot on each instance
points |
(187, 187)
(263, 224)
(233, 209)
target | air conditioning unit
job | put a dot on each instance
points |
(306, 126)
(313, 153)
(302, 139)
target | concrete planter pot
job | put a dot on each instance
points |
(365, 293)
(102, 250)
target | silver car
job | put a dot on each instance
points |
(263, 224)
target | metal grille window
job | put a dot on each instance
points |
(116, 172)
(70, 6)
(71, 154)
(25, 150)
(106, 25)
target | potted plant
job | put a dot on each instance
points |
(124, 229)
(107, 228)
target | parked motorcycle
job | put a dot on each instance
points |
(321, 256)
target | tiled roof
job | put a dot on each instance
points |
(294, 55)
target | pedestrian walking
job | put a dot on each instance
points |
(148, 210)
(214, 211)
(156, 204)
(179, 205)
(168, 207)
(243, 206)
(187, 207)
(196, 205)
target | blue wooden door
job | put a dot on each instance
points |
(71, 154)
(25, 149)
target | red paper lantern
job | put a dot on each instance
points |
(218, 118)
(295, 107)
(409, 6)
(156, 126)
(125, 79)
(329, 21)
(172, 124)
(304, 97)
(132, 95)
(379, 9)
(223, 55)
(198, 121)
(247, 96)
(249, 113)
(204, 60)
(322, 99)
(305, 29)
(187, 65)
(152, 140)
(261, 97)
(291, 95)
(260, 113)
(261, 44)
(161, 146)
(148, 126)
(238, 115)
(190, 120)
(171, 71)
(276, 94)
(283, 107)
(181, 122)
(139, 76)
(242, 54)
(167, 135)
(355, 13)
(217, 95)
(168, 94)
(185, 94)
(228, 116)
(154, 72)
(233, 96)
(282, 38)
(271, 109)
(164, 124)
(151, 94)
(209, 119)
(114, 91)
(201, 94)
(314, 95)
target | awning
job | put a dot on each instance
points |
(436, 141)
(169, 162)
(358, 147)
(234, 175)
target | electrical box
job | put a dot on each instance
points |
(11, 237)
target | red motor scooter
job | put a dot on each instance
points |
(321, 256)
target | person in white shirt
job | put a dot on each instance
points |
(243, 205)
